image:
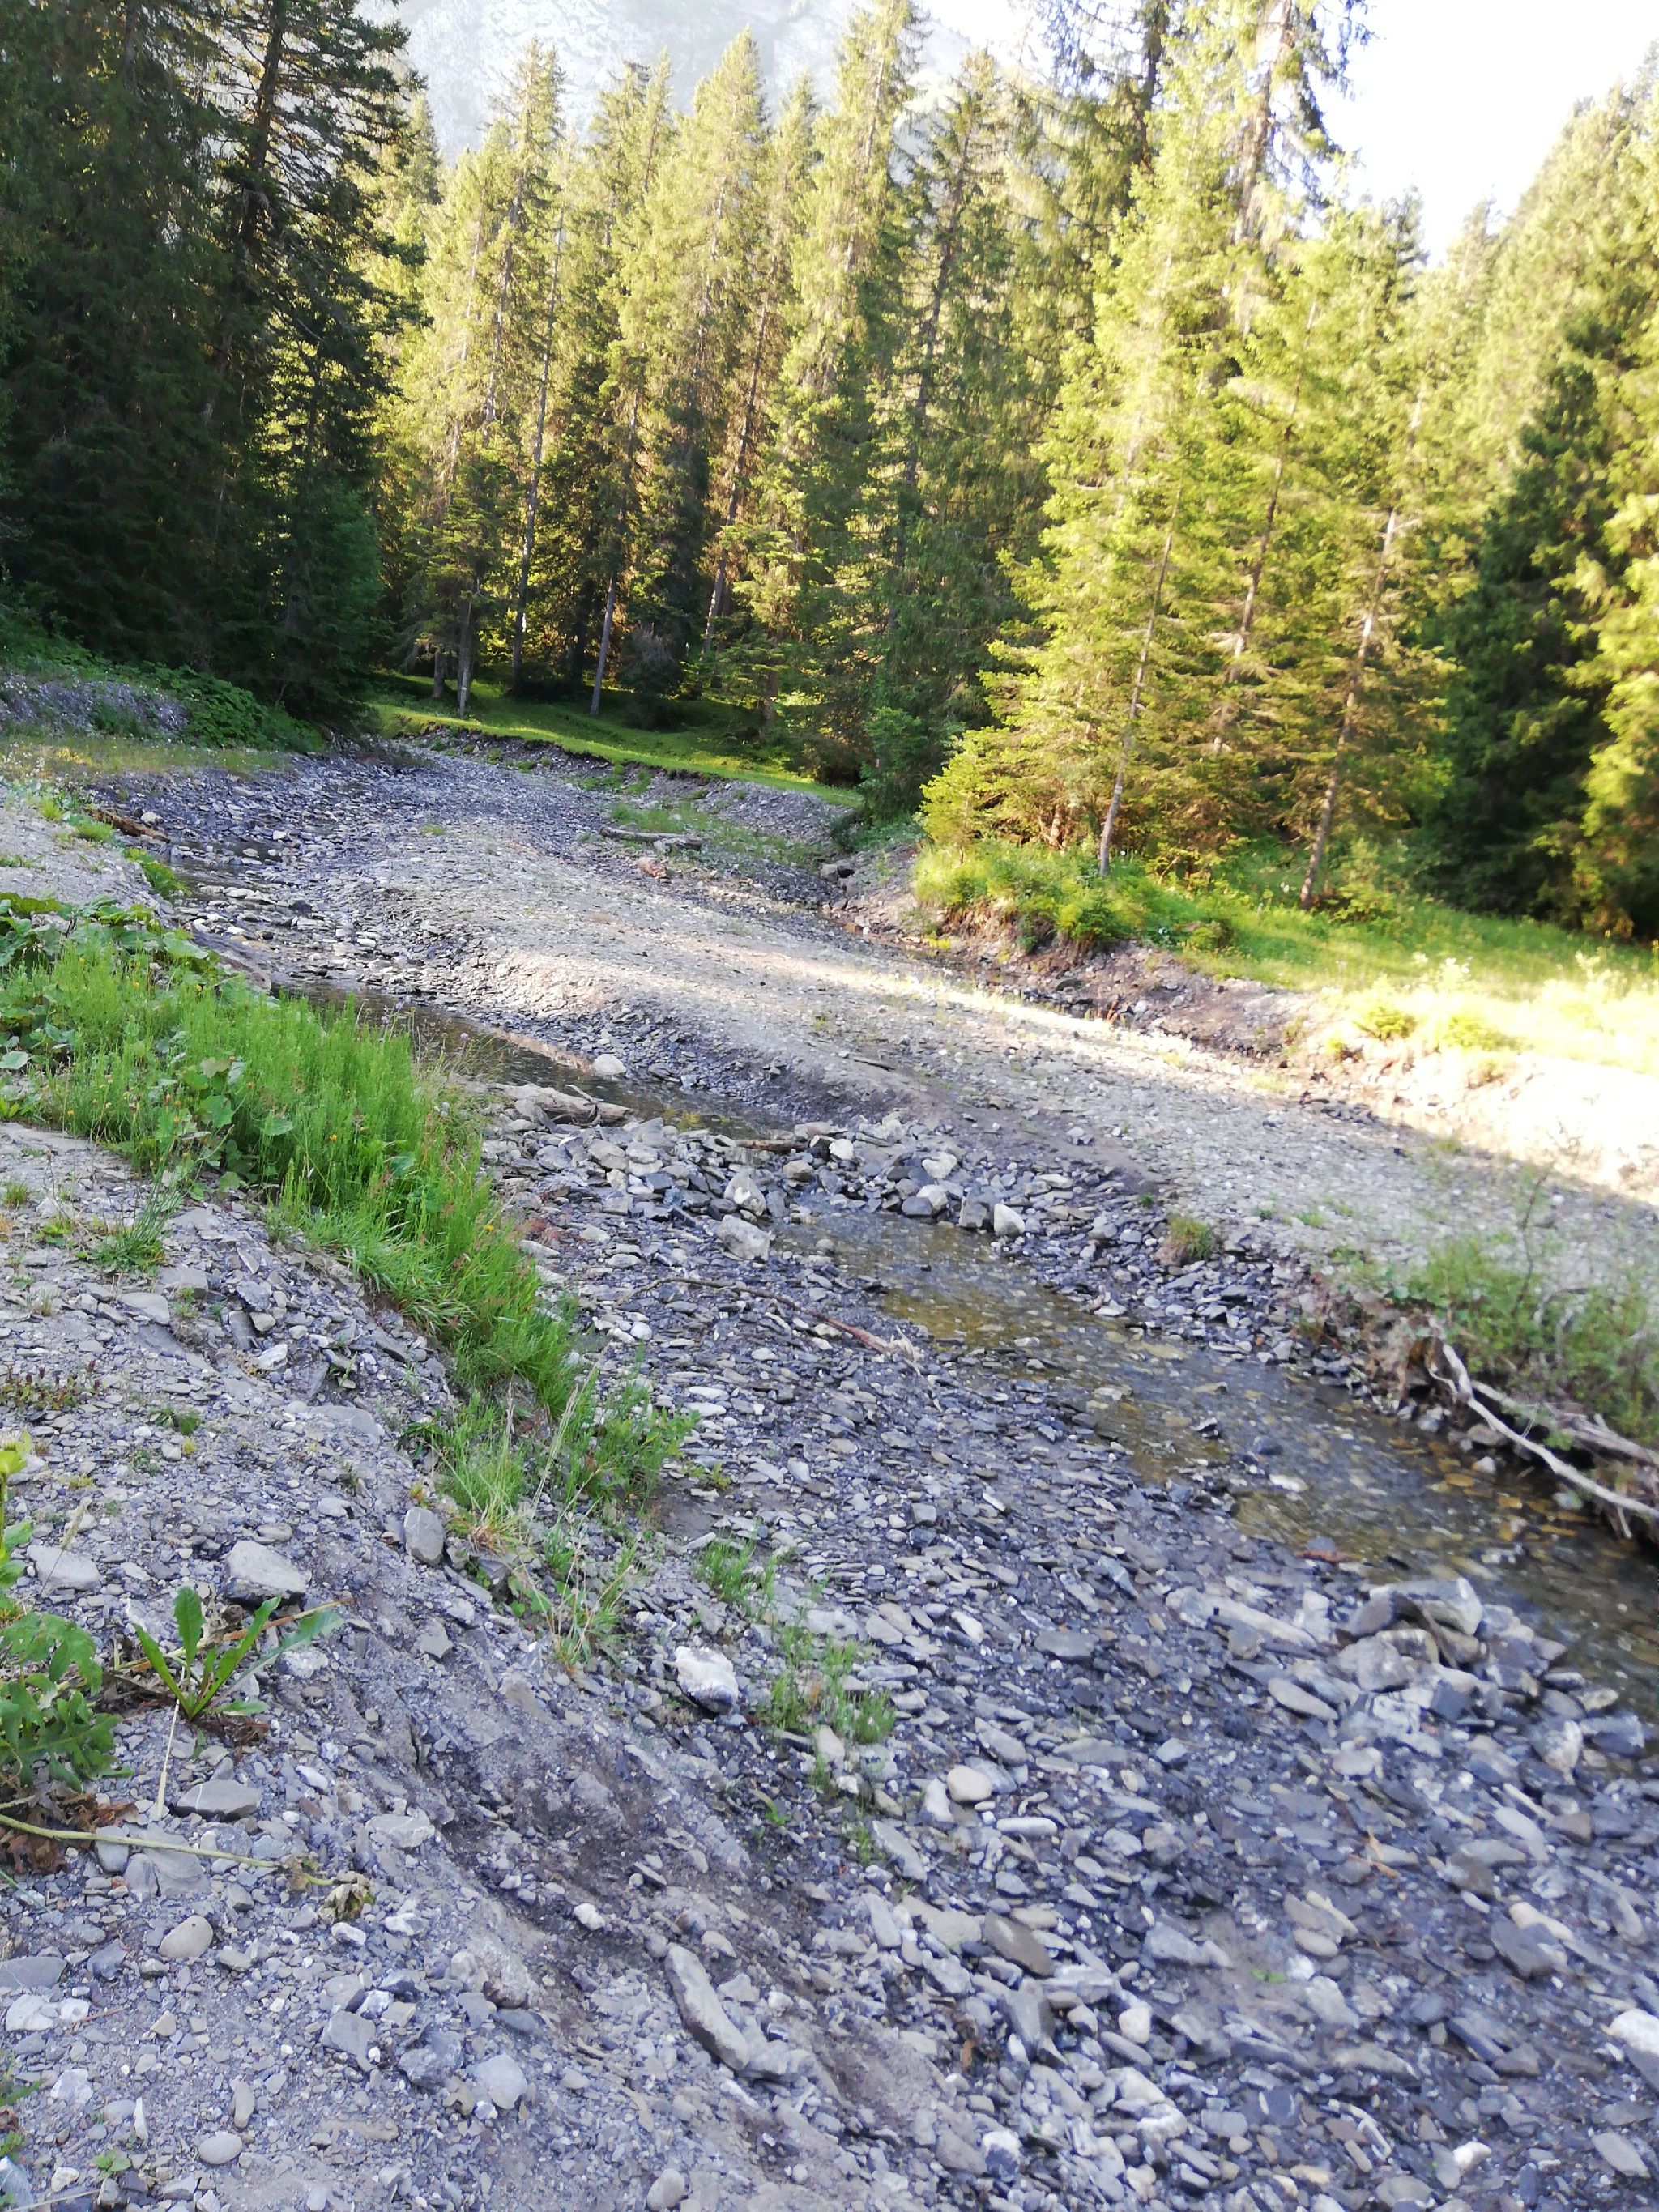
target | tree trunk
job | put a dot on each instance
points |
(440, 689)
(1349, 711)
(1269, 521)
(605, 643)
(1108, 827)
(533, 489)
(464, 660)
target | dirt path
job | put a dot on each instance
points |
(725, 963)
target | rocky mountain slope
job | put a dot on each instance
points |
(465, 48)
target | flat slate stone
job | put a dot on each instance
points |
(1074, 1645)
(38, 1970)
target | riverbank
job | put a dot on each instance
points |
(1089, 1814)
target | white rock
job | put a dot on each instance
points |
(742, 1239)
(1135, 2022)
(269, 1572)
(968, 1786)
(404, 1831)
(220, 2147)
(1637, 2031)
(1007, 1221)
(608, 1067)
(30, 2015)
(708, 1678)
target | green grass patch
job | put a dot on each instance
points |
(1186, 1240)
(812, 1688)
(1595, 1345)
(713, 738)
(1385, 961)
(124, 1033)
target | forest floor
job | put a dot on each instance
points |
(1062, 1738)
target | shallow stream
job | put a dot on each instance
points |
(1328, 1474)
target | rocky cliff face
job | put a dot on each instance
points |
(465, 48)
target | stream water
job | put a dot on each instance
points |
(1333, 1474)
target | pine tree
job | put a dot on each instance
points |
(811, 557)
(478, 379)
(1525, 704)
(107, 262)
(1130, 599)
(680, 357)
(781, 194)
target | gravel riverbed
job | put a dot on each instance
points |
(1202, 1862)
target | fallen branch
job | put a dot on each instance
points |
(898, 1348)
(681, 839)
(1593, 1433)
(1466, 1393)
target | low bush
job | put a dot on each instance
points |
(1597, 1346)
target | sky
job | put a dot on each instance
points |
(1465, 97)
(1459, 98)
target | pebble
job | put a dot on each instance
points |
(669, 2188)
(191, 1939)
(220, 2147)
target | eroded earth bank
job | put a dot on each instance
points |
(1254, 1806)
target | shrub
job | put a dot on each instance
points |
(1468, 1032)
(1384, 1019)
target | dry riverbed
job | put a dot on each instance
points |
(1241, 1826)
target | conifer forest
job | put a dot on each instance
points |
(1065, 452)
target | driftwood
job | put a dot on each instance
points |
(1594, 1434)
(124, 822)
(1618, 1503)
(683, 839)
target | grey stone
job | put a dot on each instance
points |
(191, 1939)
(742, 1240)
(266, 1573)
(431, 2062)
(1074, 1646)
(1289, 1694)
(56, 1569)
(1620, 2153)
(148, 1305)
(669, 2188)
(1007, 1221)
(352, 2036)
(704, 2015)
(501, 2079)
(423, 1535)
(221, 1801)
(38, 1970)
(1020, 1945)
(219, 2149)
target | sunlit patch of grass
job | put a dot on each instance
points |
(1462, 982)
(711, 739)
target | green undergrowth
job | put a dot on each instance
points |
(1594, 1345)
(813, 1684)
(710, 738)
(124, 1032)
(1388, 962)
(220, 717)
